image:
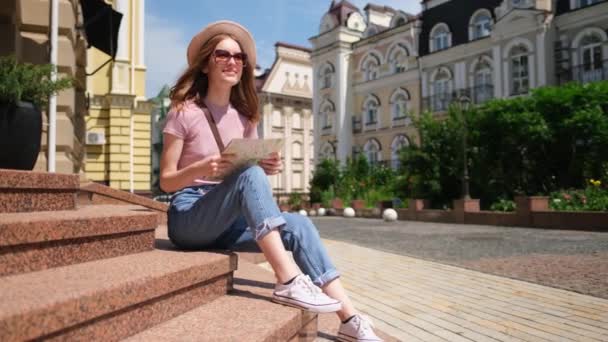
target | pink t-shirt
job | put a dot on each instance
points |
(190, 124)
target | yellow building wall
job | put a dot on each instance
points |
(124, 118)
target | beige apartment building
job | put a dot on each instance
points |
(285, 93)
(373, 66)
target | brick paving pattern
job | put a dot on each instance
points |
(572, 260)
(418, 300)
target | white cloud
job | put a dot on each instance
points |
(165, 54)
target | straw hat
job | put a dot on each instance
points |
(242, 35)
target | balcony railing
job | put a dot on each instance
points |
(585, 73)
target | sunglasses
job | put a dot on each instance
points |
(223, 56)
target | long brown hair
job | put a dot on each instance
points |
(193, 83)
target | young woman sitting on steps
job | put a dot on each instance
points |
(213, 102)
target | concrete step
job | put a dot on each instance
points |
(110, 299)
(27, 191)
(245, 314)
(41, 240)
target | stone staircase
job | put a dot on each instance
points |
(83, 263)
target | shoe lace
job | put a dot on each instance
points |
(309, 285)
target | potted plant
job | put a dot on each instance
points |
(24, 91)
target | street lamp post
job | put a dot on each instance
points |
(465, 104)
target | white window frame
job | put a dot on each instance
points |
(400, 107)
(475, 25)
(370, 109)
(441, 40)
(441, 85)
(524, 74)
(400, 141)
(398, 58)
(372, 151)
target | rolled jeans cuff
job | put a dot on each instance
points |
(326, 277)
(268, 225)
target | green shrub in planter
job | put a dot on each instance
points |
(24, 90)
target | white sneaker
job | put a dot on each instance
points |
(303, 294)
(359, 329)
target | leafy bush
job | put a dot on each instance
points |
(295, 200)
(554, 139)
(28, 82)
(592, 198)
(503, 205)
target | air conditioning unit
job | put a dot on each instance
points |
(96, 138)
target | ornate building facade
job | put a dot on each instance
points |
(375, 70)
(285, 93)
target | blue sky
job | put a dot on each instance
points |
(171, 24)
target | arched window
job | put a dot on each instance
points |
(326, 113)
(397, 58)
(371, 67)
(327, 151)
(484, 87)
(520, 70)
(480, 25)
(399, 104)
(326, 75)
(591, 58)
(442, 90)
(370, 111)
(441, 38)
(398, 143)
(373, 151)
(400, 22)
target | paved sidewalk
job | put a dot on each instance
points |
(417, 300)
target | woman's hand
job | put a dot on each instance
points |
(272, 165)
(215, 166)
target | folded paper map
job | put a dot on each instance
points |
(250, 151)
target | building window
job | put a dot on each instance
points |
(277, 119)
(481, 25)
(442, 88)
(326, 75)
(372, 151)
(371, 67)
(399, 142)
(296, 150)
(440, 38)
(399, 104)
(327, 152)
(520, 72)
(297, 121)
(326, 113)
(370, 109)
(484, 87)
(592, 59)
(398, 58)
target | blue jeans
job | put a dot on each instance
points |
(242, 209)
